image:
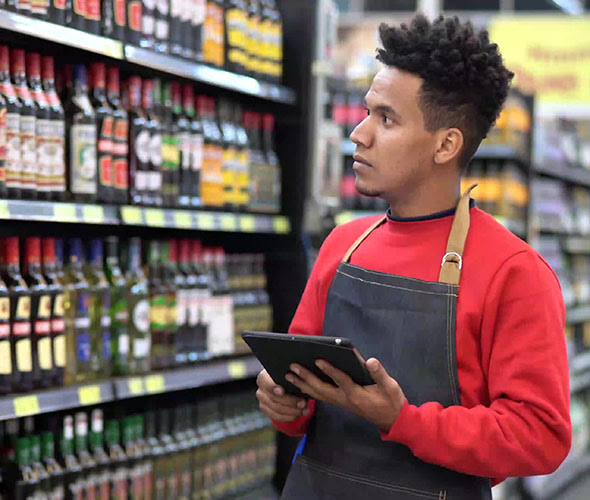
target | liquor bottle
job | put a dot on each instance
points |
(274, 167)
(157, 298)
(43, 127)
(26, 481)
(162, 27)
(99, 310)
(77, 317)
(85, 458)
(199, 10)
(183, 134)
(193, 179)
(189, 296)
(80, 139)
(119, 310)
(52, 466)
(258, 164)
(92, 16)
(134, 19)
(170, 149)
(139, 310)
(39, 470)
(58, 129)
(221, 321)
(139, 143)
(230, 153)
(118, 459)
(20, 317)
(57, 11)
(53, 278)
(186, 28)
(143, 455)
(120, 138)
(236, 33)
(135, 476)
(254, 38)
(155, 452)
(76, 14)
(5, 356)
(114, 19)
(101, 459)
(28, 150)
(72, 471)
(203, 296)
(152, 107)
(23, 7)
(178, 305)
(175, 28)
(148, 24)
(213, 33)
(275, 35)
(12, 164)
(242, 181)
(169, 446)
(171, 306)
(211, 173)
(3, 116)
(104, 127)
(40, 314)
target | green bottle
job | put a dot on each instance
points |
(85, 459)
(102, 460)
(39, 470)
(118, 470)
(52, 466)
(73, 479)
(26, 481)
(119, 311)
(158, 311)
(139, 310)
(169, 253)
(99, 309)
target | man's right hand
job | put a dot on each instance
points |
(275, 403)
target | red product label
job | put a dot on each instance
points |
(106, 170)
(42, 327)
(119, 9)
(107, 127)
(104, 492)
(120, 168)
(2, 142)
(135, 16)
(147, 484)
(90, 492)
(4, 330)
(80, 7)
(21, 328)
(39, 97)
(58, 325)
(23, 93)
(7, 90)
(105, 146)
(59, 4)
(121, 130)
(93, 10)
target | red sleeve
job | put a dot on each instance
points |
(526, 428)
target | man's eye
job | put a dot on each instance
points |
(386, 120)
(368, 111)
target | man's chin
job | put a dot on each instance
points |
(365, 191)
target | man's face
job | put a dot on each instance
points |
(394, 152)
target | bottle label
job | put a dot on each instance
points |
(155, 150)
(211, 176)
(121, 133)
(5, 358)
(13, 164)
(23, 311)
(4, 308)
(170, 152)
(59, 4)
(141, 316)
(58, 305)
(196, 152)
(155, 181)
(43, 323)
(123, 344)
(121, 171)
(44, 154)
(79, 7)
(172, 312)
(92, 10)
(105, 164)
(44, 353)
(194, 307)
(134, 18)
(176, 7)
(141, 348)
(158, 312)
(24, 358)
(59, 351)
(83, 158)
(143, 146)
(148, 25)
(119, 10)
(182, 297)
(57, 156)
(3, 113)
(28, 151)
(150, 5)
(106, 345)
(199, 8)
(184, 144)
(141, 180)
(83, 347)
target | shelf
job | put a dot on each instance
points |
(577, 244)
(578, 314)
(44, 30)
(580, 362)
(46, 401)
(141, 216)
(575, 175)
(500, 152)
(184, 68)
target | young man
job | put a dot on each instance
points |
(471, 381)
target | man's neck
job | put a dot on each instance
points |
(424, 204)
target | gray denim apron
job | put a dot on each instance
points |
(409, 325)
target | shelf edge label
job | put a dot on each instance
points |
(237, 369)
(89, 395)
(155, 383)
(26, 405)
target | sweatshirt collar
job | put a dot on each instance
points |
(437, 215)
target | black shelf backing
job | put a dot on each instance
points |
(574, 175)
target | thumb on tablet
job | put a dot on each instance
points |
(380, 376)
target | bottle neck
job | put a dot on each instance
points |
(99, 93)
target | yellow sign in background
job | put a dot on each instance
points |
(549, 55)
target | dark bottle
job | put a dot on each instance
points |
(230, 155)
(39, 470)
(26, 481)
(148, 24)
(258, 166)
(157, 453)
(272, 161)
(105, 128)
(92, 15)
(135, 477)
(80, 139)
(170, 149)
(236, 35)
(57, 11)
(114, 19)
(72, 471)
(43, 127)
(176, 26)
(20, 317)
(178, 303)
(242, 181)
(193, 178)
(203, 295)
(162, 28)
(139, 310)
(158, 312)
(57, 131)
(221, 339)
(188, 302)
(99, 310)
(120, 138)
(134, 19)
(170, 450)
(53, 278)
(186, 37)
(183, 140)
(28, 111)
(5, 357)
(52, 466)
(76, 14)
(211, 182)
(118, 459)
(150, 101)
(145, 466)
(119, 310)
(199, 10)
(254, 41)
(40, 314)
(101, 459)
(3, 117)
(11, 126)
(171, 306)
(85, 458)
(139, 143)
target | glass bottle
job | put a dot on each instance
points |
(134, 18)
(41, 347)
(179, 303)
(211, 182)
(26, 480)
(170, 148)
(154, 111)
(162, 27)
(76, 14)
(168, 254)
(101, 458)
(77, 317)
(57, 11)
(114, 19)
(72, 471)
(118, 459)
(153, 147)
(230, 153)
(92, 16)
(236, 32)
(157, 301)
(204, 293)
(273, 165)
(119, 310)
(120, 138)
(39, 470)
(199, 8)
(183, 116)
(5, 340)
(193, 180)
(190, 300)
(52, 466)
(139, 143)
(135, 476)
(242, 182)
(85, 458)
(258, 165)
(148, 25)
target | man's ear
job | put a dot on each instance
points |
(449, 146)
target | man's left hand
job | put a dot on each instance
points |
(380, 403)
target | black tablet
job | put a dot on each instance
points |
(277, 351)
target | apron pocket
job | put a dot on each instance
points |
(310, 480)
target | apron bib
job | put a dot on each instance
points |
(408, 325)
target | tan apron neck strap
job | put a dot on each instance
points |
(362, 238)
(452, 262)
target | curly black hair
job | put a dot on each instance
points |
(465, 82)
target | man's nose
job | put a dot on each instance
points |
(361, 134)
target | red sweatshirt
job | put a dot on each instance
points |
(511, 354)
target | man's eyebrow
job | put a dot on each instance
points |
(383, 108)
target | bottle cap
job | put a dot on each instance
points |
(4, 58)
(98, 72)
(48, 68)
(113, 80)
(48, 248)
(11, 250)
(33, 250)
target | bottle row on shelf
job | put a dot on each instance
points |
(243, 36)
(79, 317)
(562, 142)
(156, 144)
(216, 448)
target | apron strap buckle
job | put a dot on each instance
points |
(452, 257)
